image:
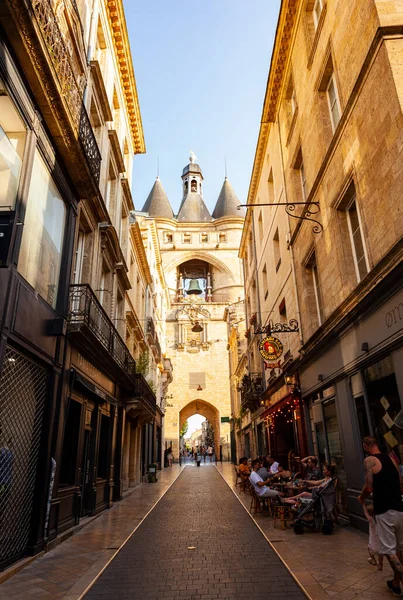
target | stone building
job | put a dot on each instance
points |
(199, 254)
(70, 330)
(331, 131)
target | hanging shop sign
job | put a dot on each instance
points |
(270, 348)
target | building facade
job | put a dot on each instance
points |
(76, 418)
(331, 132)
(199, 258)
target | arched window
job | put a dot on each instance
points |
(186, 186)
(193, 186)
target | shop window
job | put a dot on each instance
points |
(362, 416)
(103, 449)
(384, 406)
(42, 239)
(12, 144)
(68, 466)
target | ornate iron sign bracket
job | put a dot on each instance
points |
(291, 327)
(312, 208)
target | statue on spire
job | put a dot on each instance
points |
(192, 157)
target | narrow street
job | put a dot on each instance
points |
(198, 543)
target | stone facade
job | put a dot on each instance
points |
(331, 139)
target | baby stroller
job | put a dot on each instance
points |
(318, 512)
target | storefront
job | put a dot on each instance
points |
(89, 450)
(354, 388)
(285, 430)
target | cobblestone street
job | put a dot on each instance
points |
(205, 546)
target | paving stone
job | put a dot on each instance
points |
(199, 543)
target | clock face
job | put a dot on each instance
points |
(270, 348)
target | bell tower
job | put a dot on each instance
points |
(192, 177)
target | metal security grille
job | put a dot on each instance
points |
(23, 390)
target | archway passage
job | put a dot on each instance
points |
(208, 411)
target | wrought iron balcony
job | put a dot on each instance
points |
(251, 389)
(153, 338)
(71, 82)
(143, 396)
(94, 330)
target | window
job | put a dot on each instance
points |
(204, 238)
(103, 452)
(168, 237)
(303, 180)
(357, 241)
(187, 238)
(12, 144)
(42, 238)
(276, 250)
(270, 186)
(282, 311)
(317, 290)
(317, 11)
(265, 282)
(222, 238)
(116, 112)
(111, 192)
(333, 99)
(70, 444)
(193, 185)
(260, 225)
(293, 101)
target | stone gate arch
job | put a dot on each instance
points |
(207, 410)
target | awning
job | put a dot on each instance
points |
(277, 405)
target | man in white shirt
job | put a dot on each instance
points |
(259, 485)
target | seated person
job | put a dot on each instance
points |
(273, 465)
(243, 468)
(312, 471)
(259, 485)
(263, 471)
(282, 474)
(328, 472)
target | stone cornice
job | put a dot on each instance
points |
(123, 55)
(278, 65)
(141, 253)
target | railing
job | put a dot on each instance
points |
(251, 389)
(143, 391)
(71, 82)
(152, 332)
(85, 309)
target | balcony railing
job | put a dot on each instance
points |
(142, 391)
(85, 310)
(71, 82)
(153, 336)
(251, 389)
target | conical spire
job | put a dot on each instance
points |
(227, 203)
(193, 210)
(157, 203)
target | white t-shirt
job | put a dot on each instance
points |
(274, 468)
(254, 478)
(209, 450)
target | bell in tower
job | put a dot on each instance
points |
(194, 287)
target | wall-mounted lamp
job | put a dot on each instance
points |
(199, 388)
(320, 377)
(364, 347)
(288, 379)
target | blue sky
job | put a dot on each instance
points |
(201, 71)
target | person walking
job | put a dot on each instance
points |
(210, 453)
(170, 457)
(382, 479)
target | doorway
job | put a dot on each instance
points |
(86, 470)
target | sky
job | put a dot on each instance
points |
(194, 423)
(201, 71)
